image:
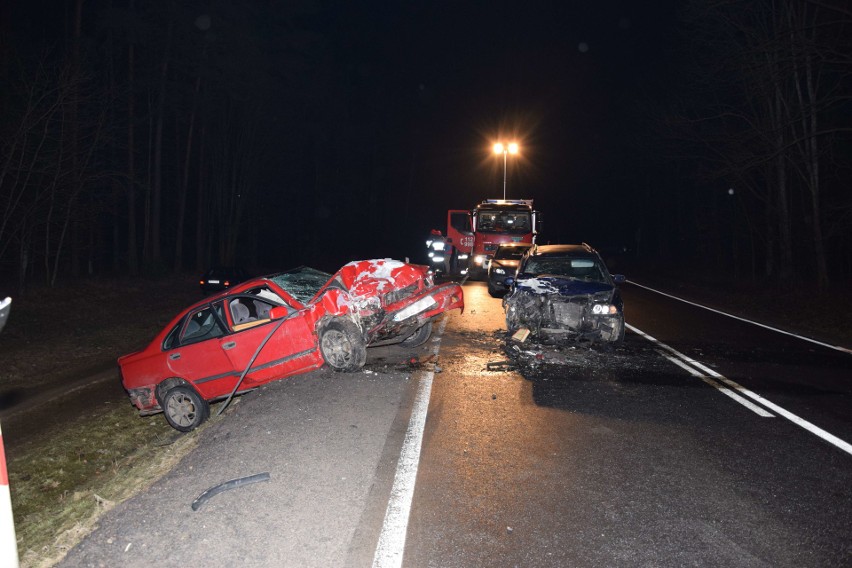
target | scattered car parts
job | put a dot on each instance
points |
(232, 484)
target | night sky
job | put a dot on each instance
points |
(325, 131)
(569, 83)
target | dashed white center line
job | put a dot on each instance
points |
(694, 366)
(715, 384)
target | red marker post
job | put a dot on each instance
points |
(8, 540)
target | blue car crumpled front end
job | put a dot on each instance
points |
(556, 309)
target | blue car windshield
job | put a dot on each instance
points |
(576, 268)
(302, 283)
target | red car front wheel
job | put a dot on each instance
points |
(342, 346)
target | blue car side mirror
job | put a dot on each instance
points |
(619, 278)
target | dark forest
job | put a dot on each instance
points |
(141, 138)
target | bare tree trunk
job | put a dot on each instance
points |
(782, 219)
(19, 189)
(132, 255)
(200, 217)
(117, 193)
(814, 186)
(809, 128)
(77, 188)
(49, 214)
(184, 183)
(777, 116)
(157, 181)
(74, 121)
(23, 259)
(146, 213)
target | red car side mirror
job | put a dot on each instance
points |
(278, 312)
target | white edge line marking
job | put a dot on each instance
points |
(723, 389)
(769, 327)
(391, 545)
(813, 429)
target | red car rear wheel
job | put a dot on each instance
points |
(185, 410)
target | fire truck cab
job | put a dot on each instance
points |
(474, 235)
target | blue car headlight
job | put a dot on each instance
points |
(604, 309)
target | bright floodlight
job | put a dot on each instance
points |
(500, 148)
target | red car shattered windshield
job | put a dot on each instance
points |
(302, 283)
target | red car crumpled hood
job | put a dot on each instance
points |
(377, 277)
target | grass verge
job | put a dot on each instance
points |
(63, 482)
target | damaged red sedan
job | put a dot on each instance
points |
(280, 325)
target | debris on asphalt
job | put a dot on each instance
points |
(500, 366)
(232, 484)
(416, 362)
(521, 335)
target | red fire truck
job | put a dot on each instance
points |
(473, 235)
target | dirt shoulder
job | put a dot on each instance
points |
(74, 444)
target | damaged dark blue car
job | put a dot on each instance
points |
(564, 293)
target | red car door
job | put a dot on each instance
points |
(291, 349)
(200, 358)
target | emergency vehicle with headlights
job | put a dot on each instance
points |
(474, 234)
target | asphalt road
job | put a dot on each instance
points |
(625, 457)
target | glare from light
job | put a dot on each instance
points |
(604, 309)
(506, 149)
(510, 148)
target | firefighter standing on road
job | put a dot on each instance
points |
(438, 252)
